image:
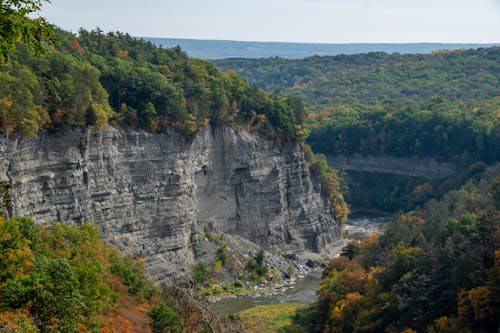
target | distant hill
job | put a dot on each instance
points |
(222, 49)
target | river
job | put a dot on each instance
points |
(364, 223)
(303, 291)
(359, 225)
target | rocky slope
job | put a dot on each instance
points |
(151, 194)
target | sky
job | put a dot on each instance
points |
(315, 21)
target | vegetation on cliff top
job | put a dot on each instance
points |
(94, 79)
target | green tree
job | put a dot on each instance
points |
(17, 25)
(200, 273)
(57, 302)
(90, 116)
(16, 264)
(260, 267)
(222, 253)
(165, 319)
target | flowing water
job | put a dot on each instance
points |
(303, 291)
(359, 225)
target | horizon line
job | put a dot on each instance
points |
(320, 43)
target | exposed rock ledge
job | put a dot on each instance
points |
(406, 166)
(151, 194)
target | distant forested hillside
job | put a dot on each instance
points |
(372, 77)
(444, 104)
(97, 79)
(223, 49)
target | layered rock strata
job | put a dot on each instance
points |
(413, 166)
(151, 194)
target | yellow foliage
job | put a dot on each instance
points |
(445, 325)
(480, 300)
(336, 314)
(218, 267)
(408, 330)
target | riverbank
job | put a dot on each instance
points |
(270, 318)
(302, 287)
(302, 291)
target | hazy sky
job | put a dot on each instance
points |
(466, 21)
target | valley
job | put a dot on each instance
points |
(143, 190)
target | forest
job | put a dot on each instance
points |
(97, 79)
(444, 104)
(375, 76)
(65, 278)
(435, 269)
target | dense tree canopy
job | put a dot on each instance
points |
(460, 131)
(444, 104)
(436, 269)
(375, 77)
(98, 78)
(61, 278)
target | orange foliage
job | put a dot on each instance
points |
(16, 321)
(353, 297)
(412, 219)
(116, 282)
(339, 263)
(367, 245)
(58, 116)
(444, 325)
(130, 317)
(117, 324)
(257, 122)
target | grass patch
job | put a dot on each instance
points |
(269, 318)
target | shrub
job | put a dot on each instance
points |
(165, 319)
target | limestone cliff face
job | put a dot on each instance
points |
(151, 194)
(405, 166)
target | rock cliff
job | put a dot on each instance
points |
(414, 166)
(151, 194)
